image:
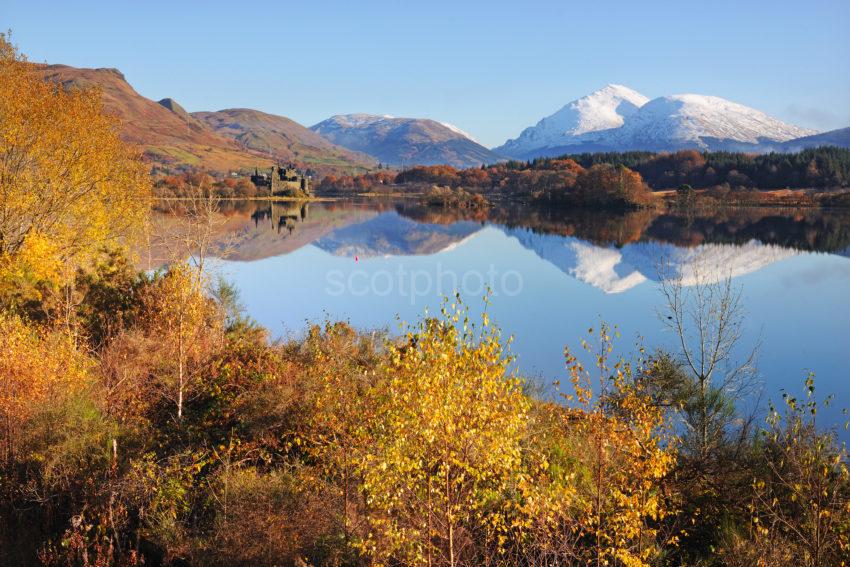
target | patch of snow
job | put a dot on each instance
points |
(598, 266)
(342, 122)
(390, 234)
(457, 130)
(455, 245)
(603, 268)
(356, 120)
(709, 263)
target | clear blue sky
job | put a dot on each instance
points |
(492, 68)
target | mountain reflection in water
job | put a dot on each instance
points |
(255, 229)
(294, 263)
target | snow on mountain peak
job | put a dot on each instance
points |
(364, 120)
(357, 119)
(691, 120)
(602, 109)
(606, 108)
(616, 118)
(457, 130)
(400, 141)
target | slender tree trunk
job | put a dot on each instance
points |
(180, 388)
(703, 441)
(345, 468)
(598, 501)
(430, 528)
(450, 519)
(180, 369)
(113, 473)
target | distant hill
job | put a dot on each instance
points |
(283, 138)
(616, 118)
(840, 138)
(405, 141)
(174, 140)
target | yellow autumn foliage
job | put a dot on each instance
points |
(185, 439)
(35, 267)
(607, 503)
(447, 444)
(179, 313)
(803, 502)
(36, 367)
(66, 178)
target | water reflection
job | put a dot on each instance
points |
(576, 268)
(611, 252)
(405, 227)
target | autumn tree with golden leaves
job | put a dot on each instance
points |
(447, 445)
(68, 185)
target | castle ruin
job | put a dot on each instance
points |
(282, 181)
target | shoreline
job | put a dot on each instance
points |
(666, 199)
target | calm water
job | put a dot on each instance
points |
(552, 276)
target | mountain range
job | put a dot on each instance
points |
(617, 118)
(173, 139)
(613, 118)
(282, 138)
(166, 137)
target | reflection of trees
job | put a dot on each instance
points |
(237, 208)
(440, 215)
(809, 229)
(802, 229)
(599, 227)
(603, 228)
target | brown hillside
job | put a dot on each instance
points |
(167, 139)
(283, 139)
(174, 140)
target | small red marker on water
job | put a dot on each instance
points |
(356, 259)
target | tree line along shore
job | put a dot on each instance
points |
(816, 177)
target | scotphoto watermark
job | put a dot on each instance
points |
(420, 283)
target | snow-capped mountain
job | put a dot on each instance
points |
(601, 110)
(405, 141)
(618, 119)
